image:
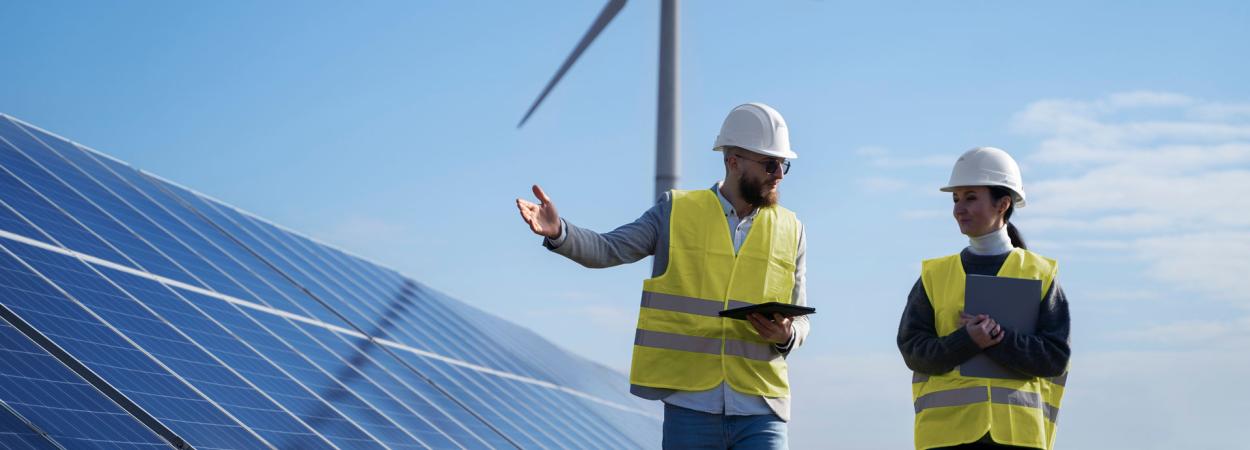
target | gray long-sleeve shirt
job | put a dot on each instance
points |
(647, 236)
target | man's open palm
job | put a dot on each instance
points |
(542, 218)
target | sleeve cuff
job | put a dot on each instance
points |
(559, 240)
(961, 344)
(786, 347)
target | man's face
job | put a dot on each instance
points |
(758, 186)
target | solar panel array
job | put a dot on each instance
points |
(135, 313)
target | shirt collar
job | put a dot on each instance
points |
(729, 207)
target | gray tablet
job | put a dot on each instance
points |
(1013, 303)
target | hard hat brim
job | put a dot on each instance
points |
(1017, 199)
(788, 154)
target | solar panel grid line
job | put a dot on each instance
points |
(528, 396)
(122, 238)
(424, 353)
(302, 352)
(471, 411)
(487, 409)
(547, 433)
(90, 376)
(134, 372)
(33, 428)
(604, 421)
(315, 322)
(240, 376)
(370, 368)
(231, 246)
(67, 230)
(506, 374)
(219, 296)
(114, 191)
(199, 290)
(229, 228)
(362, 283)
(130, 195)
(324, 267)
(51, 157)
(163, 363)
(356, 435)
(46, 392)
(306, 319)
(555, 401)
(344, 259)
(509, 340)
(595, 432)
(275, 258)
(18, 433)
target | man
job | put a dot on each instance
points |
(723, 381)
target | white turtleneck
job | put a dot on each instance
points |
(992, 243)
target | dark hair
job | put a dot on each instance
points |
(997, 193)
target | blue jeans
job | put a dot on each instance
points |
(690, 429)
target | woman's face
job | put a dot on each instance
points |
(976, 212)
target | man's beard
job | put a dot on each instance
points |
(753, 193)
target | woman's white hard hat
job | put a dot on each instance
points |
(988, 166)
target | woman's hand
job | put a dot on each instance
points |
(985, 331)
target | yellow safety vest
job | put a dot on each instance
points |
(952, 409)
(681, 343)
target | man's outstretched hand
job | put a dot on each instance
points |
(542, 218)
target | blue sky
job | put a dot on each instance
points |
(388, 129)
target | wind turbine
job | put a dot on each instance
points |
(667, 168)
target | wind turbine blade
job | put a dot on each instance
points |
(609, 12)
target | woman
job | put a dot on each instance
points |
(935, 336)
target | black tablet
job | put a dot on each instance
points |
(767, 309)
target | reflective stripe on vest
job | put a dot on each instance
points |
(681, 342)
(952, 409)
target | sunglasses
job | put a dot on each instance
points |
(770, 165)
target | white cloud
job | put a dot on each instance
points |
(1139, 99)
(1129, 399)
(1152, 399)
(1221, 334)
(1221, 111)
(1159, 176)
(1215, 263)
(1120, 294)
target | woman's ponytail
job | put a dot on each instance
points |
(996, 193)
(1017, 240)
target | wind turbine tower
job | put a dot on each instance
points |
(668, 105)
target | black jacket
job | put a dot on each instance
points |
(1041, 354)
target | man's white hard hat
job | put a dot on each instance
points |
(756, 127)
(988, 166)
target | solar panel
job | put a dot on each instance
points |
(16, 433)
(37, 387)
(138, 313)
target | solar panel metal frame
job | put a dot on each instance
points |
(347, 286)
